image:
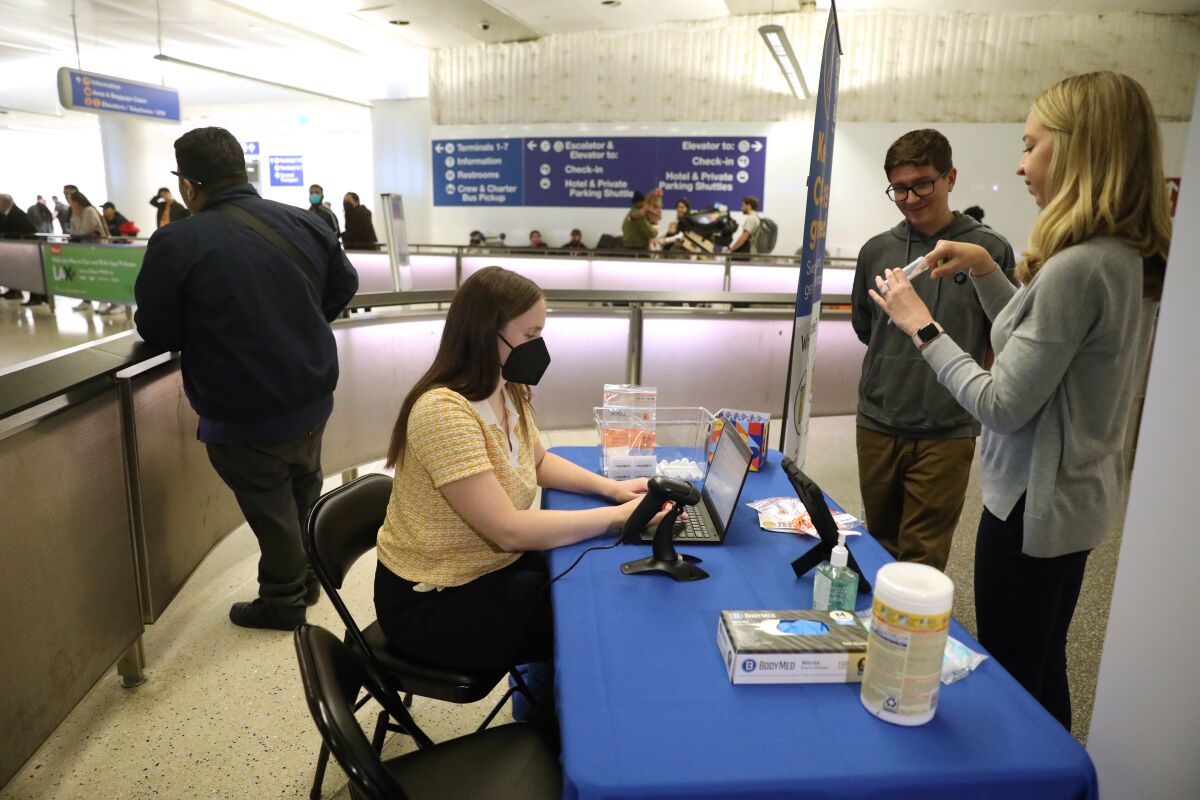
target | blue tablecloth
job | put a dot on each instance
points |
(647, 709)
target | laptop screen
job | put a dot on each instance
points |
(726, 475)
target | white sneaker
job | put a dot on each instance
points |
(108, 309)
(85, 305)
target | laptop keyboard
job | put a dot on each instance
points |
(694, 528)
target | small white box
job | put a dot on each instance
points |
(792, 646)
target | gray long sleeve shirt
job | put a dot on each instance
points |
(1055, 403)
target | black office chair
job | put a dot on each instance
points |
(342, 526)
(509, 761)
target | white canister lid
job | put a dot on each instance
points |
(915, 588)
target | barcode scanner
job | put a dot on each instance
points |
(664, 560)
(659, 491)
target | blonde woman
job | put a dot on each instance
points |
(1054, 405)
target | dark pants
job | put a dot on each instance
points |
(276, 486)
(496, 621)
(1024, 607)
(912, 491)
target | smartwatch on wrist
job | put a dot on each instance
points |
(927, 334)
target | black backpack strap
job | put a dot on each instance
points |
(283, 245)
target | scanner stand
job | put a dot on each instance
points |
(664, 560)
(814, 502)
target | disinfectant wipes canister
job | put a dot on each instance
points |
(910, 620)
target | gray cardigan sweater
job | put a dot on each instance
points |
(1055, 403)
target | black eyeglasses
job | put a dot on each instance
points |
(922, 189)
(194, 182)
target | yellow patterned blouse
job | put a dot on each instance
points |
(423, 539)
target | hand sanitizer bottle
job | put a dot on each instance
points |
(835, 587)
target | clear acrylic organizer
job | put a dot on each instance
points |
(634, 442)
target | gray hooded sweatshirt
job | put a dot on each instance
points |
(898, 394)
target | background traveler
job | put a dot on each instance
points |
(41, 216)
(14, 224)
(113, 219)
(575, 242)
(915, 443)
(636, 230)
(87, 226)
(742, 243)
(316, 200)
(167, 209)
(62, 211)
(360, 231)
(259, 358)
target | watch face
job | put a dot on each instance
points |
(928, 333)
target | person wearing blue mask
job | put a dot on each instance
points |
(316, 200)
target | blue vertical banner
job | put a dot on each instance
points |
(808, 291)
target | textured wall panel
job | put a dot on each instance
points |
(895, 66)
(186, 508)
(67, 585)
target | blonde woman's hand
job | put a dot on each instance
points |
(895, 295)
(951, 257)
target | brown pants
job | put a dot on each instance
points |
(912, 492)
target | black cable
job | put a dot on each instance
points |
(580, 558)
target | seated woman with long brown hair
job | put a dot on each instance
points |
(461, 580)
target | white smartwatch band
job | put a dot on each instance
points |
(927, 334)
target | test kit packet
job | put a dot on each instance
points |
(792, 646)
(625, 423)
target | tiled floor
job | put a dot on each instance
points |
(34, 331)
(222, 714)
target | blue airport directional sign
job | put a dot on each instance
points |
(596, 171)
(711, 169)
(286, 170)
(600, 171)
(477, 172)
(250, 148)
(86, 91)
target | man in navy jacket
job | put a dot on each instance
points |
(250, 316)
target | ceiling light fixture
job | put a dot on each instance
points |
(777, 41)
(205, 67)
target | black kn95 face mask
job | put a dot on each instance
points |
(526, 362)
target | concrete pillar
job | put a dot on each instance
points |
(1142, 738)
(402, 136)
(138, 159)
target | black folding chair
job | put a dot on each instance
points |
(502, 763)
(342, 526)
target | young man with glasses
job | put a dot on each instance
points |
(915, 442)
